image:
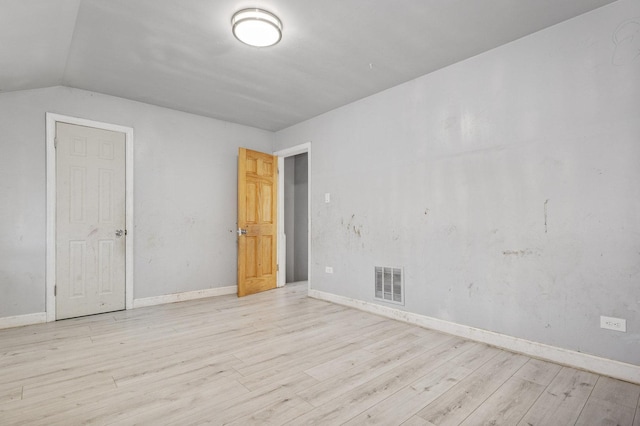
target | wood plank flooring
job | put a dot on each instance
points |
(282, 358)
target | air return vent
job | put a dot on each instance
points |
(389, 284)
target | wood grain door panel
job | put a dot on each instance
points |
(257, 204)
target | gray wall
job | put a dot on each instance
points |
(185, 193)
(507, 185)
(301, 241)
(289, 215)
(296, 217)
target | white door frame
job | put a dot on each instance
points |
(282, 249)
(50, 277)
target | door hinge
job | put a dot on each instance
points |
(55, 290)
(125, 232)
(55, 143)
(277, 267)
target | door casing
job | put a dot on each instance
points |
(282, 250)
(50, 277)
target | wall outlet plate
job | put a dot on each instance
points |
(328, 269)
(611, 323)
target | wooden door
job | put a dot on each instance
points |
(257, 219)
(90, 221)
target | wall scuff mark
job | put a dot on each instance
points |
(352, 227)
(521, 253)
(626, 39)
(545, 215)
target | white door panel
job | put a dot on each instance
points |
(90, 210)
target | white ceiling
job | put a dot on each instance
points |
(181, 54)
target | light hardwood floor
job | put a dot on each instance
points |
(282, 358)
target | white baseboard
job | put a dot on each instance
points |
(41, 317)
(604, 366)
(20, 320)
(181, 297)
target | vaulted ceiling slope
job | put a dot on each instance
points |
(181, 54)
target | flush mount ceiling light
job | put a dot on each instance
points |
(256, 27)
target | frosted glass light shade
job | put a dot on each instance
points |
(256, 27)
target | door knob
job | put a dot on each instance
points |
(242, 231)
(119, 233)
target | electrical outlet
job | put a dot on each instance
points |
(327, 197)
(328, 269)
(610, 323)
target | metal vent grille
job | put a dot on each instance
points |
(389, 284)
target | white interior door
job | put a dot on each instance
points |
(90, 221)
